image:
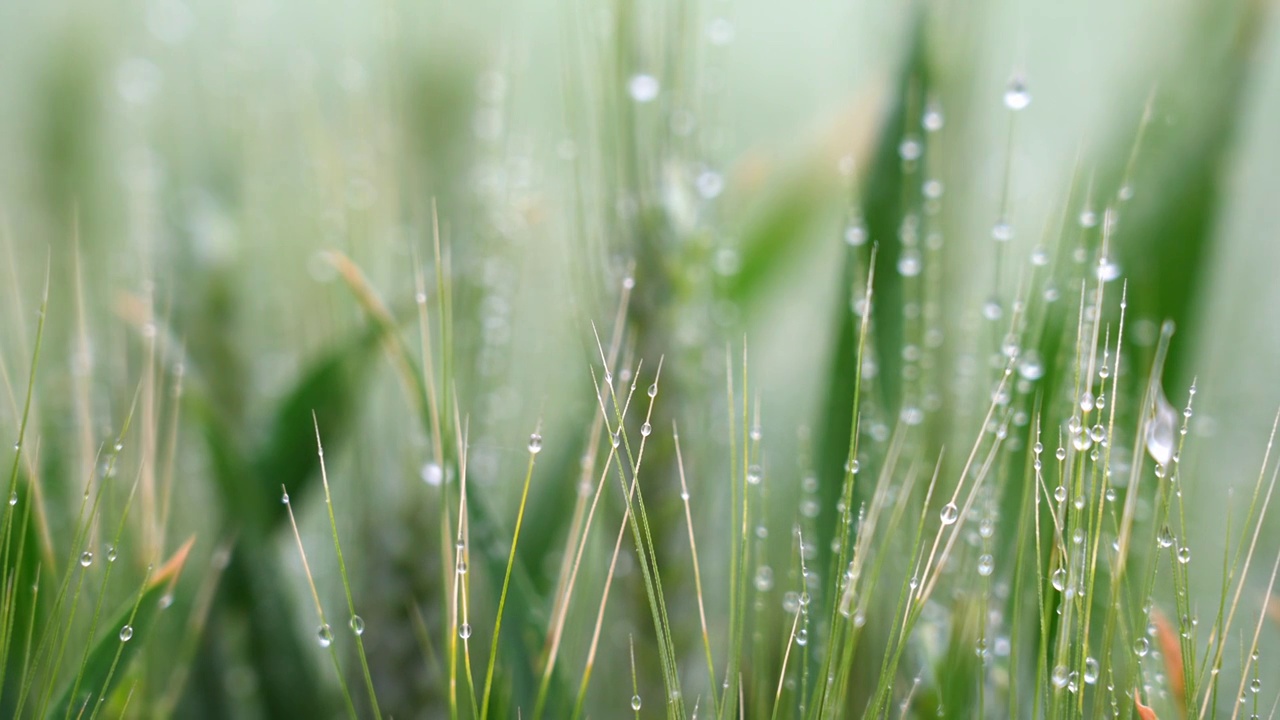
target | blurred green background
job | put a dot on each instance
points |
(183, 168)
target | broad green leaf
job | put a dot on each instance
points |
(330, 389)
(124, 639)
(883, 201)
(20, 609)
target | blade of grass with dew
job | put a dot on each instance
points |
(481, 526)
(20, 610)
(124, 640)
(881, 206)
(535, 446)
(355, 622)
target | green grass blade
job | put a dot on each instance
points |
(124, 640)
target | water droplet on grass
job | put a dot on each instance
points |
(464, 630)
(1016, 96)
(126, 633)
(856, 234)
(986, 564)
(635, 703)
(764, 578)
(535, 443)
(1141, 647)
(357, 624)
(1059, 579)
(432, 474)
(324, 635)
(950, 513)
(643, 87)
(1090, 671)
(709, 184)
(802, 637)
(933, 119)
(1184, 555)
(909, 263)
(86, 559)
(111, 553)
(1160, 430)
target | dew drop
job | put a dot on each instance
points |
(357, 624)
(635, 703)
(1107, 270)
(1061, 454)
(856, 234)
(1141, 647)
(1030, 367)
(646, 430)
(284, 498)
(1090, 671)
(86, 559)
(324, 635)
(754, 474)
(126, 633)
(764, 578)
(653, 390)
(13, 498)
(535, 443)
(1059, 579)
(909, 264)
(1160, 430)
(643, 87)
(462, 566)
(802, 636)
(950, 513)
(1255, 685)
(1165, 538)
(709, 184)
(1086, 401)
(432, 474)
(986, 564)
(1016, 96)
(933, 119)
(1060, 676)
(1060, 493)
(1002, 231)
(464, 630)
(910, 149)
(1184, 555)
(111, 553)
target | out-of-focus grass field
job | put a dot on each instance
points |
(502, 259)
